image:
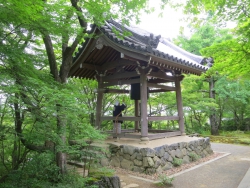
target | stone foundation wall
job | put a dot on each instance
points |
(147, 160)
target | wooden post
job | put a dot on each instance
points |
(99, 102)
(144, 113)
(179, 104)
(136, 114)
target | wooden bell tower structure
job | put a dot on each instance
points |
(141, 60)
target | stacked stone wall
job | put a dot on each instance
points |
(158, 159)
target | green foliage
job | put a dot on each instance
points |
(202, 37)
(165, 180)
(194, 156)
(177, 162)
(41, 171)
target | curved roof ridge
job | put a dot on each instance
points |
(196, 58)
(118, 26)
(139, 35)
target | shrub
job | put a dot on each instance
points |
(165, 180)
(177, 162)
(194, 156)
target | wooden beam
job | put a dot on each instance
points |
(162, 75)
(160, 118)
(116, 63)
(158, 81)
(158, 90)
(117, 76)
(122, 130)
(88, 49)
(110, 90)
(126, 118)
(121, 82)
(168, 88)
(90, 66)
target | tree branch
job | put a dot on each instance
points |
(51, 56)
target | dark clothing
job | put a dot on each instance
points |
(118, 111)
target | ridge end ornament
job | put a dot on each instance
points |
(99, 43)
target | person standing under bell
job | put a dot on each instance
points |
(117, 112)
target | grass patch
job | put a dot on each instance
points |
(230, 137)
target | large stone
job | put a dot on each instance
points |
(163, 162)
(172, 153)
(207, 140)
(115, 162)
(119, 153)
(185, 144)
(157, 161)
(167, 166)
(133, 157)
(155, 158)
(120, 158)
(170, 159)
(181, 145)
(150, 170)
(165, 156)
(126, 164)
(147, 152)
(201, 141)
(159, 151)
(129, 149)
(104, 161)
(138, 169)
(127, 156)
(173, 146)
(113, 148)
(166, 148)
(184, 151)
(145, 162)
(139, 156)
(186, 159)
(159, 170)
(111, 182)
(179, 154)
(148, 162)
(196, 143)
(137, 162)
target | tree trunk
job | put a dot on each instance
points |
(212, 117)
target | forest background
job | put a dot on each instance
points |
(41, 109)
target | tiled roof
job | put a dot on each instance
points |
(143, 42)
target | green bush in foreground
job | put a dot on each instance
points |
(177, 162)
(194, 156)
(165, 180)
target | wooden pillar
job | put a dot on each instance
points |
(136, 114)
(99, 103)
(179, 104)
(144, 113)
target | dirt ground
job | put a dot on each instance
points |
(130, 180)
